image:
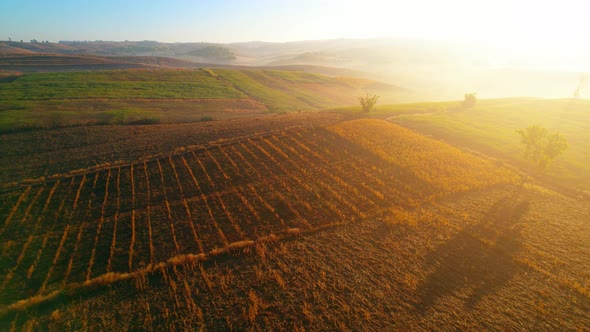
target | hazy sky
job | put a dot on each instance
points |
(555, 27)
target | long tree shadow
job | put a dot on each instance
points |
(476, 261)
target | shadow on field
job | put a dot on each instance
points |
(477, 261)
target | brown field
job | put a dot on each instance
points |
(31, 155)
(296, 222)
(31, 63)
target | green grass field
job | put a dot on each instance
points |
(118, 85)
(491, 127)
(286, 91)
(43, 100)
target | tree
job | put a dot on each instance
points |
(368, 102)
(541, 146)
(470, 100)
(580, 86)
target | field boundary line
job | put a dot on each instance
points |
(9, 186)
(114, 277)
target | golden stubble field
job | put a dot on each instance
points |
(351, 225)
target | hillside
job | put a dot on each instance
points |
(42, 62)
(491, 127)
(295, 222)
(31, 62)
(459, 68)
(213, 52)
(7, 49)
(12, 64)
(214, 196)
(39, 100)
(14, 47)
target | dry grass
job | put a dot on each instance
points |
(467, 265)
(445, 168)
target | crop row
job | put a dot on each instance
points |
(124, 218)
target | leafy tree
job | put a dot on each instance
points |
(470, 100)
(368, 102)
(541, 146)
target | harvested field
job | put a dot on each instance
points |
(481, 261)
(304, 222)
(30, 155)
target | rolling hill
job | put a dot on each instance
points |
(492, 124)
(214, 52)
(297, 222)
(44, 62)
(430, 70)
(42, 100)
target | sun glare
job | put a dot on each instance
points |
(541, 34)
